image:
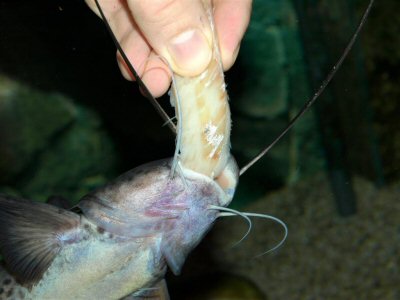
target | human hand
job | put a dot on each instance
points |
(177, 30)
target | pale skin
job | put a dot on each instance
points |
(176, 30)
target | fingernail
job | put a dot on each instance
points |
(190, 52)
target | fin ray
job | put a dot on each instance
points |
(32, 234)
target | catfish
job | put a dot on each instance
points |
(120, 239)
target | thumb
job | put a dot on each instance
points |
(178, 30)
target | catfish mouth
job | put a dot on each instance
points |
(225, 183)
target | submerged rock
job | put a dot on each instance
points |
(49, 144)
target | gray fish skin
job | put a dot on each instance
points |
(129, 232)
(98, 267)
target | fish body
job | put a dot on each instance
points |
(95, 265)
(121, 241)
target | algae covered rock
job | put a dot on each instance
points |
(272, 61)
(50, 145)
(270, 86)
(28, 120)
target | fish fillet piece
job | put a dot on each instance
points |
(202, 110)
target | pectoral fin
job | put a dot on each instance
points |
(32, 234)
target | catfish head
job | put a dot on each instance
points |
(175, 212)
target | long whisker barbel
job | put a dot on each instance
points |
(140, 82)
(311, 101)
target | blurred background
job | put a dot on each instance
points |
(69, 123)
